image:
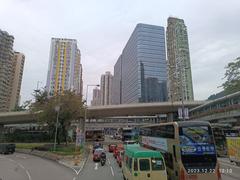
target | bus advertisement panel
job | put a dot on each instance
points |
(233, 144)
(155, 142)
(196, 141)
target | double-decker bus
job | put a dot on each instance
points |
(188, 149)
(95, 135)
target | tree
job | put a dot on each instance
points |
(71, 108)
(232, 76)
(24, 106)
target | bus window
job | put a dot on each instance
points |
(135, 165)
(144, 165)
(157, 164)
(130, 164)
(197, 147)
(168, 159)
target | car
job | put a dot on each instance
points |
(96, 145)
(120, 157)
(111, 147)
(117, 136)
(97, 154)
(117, 149)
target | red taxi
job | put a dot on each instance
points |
(117, 149)
(97, 154)
(111, 147)
(120, 157)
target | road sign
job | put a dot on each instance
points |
(79, 137)
(183, 113)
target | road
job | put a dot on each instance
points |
(229, 170)
(93, 170)
(27, 167)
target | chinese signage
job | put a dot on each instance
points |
(197, 149)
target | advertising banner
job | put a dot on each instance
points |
(196, 149)
(159, 143)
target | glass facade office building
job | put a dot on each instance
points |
(143, 66)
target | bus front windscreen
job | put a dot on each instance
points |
(197, 147)
(196, 140)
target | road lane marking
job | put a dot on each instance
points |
(112, 170)
(231, 165)
(19, 164)
(96, 166)
(109, 162)
(18, 156)
(29, 176)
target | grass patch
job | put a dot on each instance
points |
(61, 149)
(67, 150)
(28, 145)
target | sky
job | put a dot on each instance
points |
(102, 29)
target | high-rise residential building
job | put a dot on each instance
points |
(141, 70)
(179, 66)
(81, 80)
(18, 65)
(106, 88)
(6, 69)
(64, 69)
(117, 82)
(96, 100)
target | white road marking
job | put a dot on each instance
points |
(96, 166)
(18, 156)
(74, 178)
(11, 160)
(231, 165)
(19, 164)
(29, 177)
(112, 170)
(108, 161)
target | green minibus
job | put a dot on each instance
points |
(143, 164)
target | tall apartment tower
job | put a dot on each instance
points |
(106, 88)
(18, 65)
(96, 100)
(179, 66)
(140, 74)
(6, 69)
(64, 69)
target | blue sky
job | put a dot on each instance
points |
(102, 29)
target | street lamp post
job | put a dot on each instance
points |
(57, 109)
(85, 112)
